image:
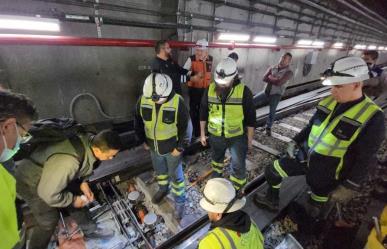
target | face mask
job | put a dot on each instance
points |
(9, 153)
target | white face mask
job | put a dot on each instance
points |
(7, 153)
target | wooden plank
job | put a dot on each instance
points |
(301, 119)
(266, 148)
(281, 137)
(289, 127)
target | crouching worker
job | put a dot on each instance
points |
(231, 227)
(337, 146)
(45, 178)
(161, 124)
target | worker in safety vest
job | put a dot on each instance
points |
(230, 226)
(227, 107)
(16, 114)
(199, 66)
(336, 147)
(161, 124)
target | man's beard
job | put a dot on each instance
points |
(221, 91)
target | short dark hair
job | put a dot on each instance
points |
(372, 53)
(159, 44)
(288, 54)
(234, 56)
(107, 140)
(16, 105)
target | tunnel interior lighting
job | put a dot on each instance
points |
(381, 48)
(359, 46)
(304, 42)
(233, 37)
(372, 47)
(265, 39)
(310, 43)
(29, 23)
(318, 44)
(338, 45)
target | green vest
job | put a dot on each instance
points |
(8, 219)
(226, 119)
(221, 238)
(161, 125)
(321, 138)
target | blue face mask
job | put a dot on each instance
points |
(9, 153)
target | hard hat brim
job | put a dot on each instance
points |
(223, 81)
(339, 80)
(219, 208)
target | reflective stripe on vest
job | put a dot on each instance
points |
(199, 66)
(226, 119)
(324, 142)
(161, 125)
(226, 238)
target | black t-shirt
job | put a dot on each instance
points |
(172, 69)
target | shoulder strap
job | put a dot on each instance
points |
(79, 150)
(228, 236)
(217, 238)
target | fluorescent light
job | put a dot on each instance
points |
(318, 43)
(77, 17)
(233, 37)
(359, 46)
(265, 39)
(304, 42)
(380, 48)
(310, 44)
(338, 45)
(29, 23)
(371, 47)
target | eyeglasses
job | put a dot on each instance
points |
(27, 136)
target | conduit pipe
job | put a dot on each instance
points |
(17, 39)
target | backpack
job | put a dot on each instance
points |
(48, 131)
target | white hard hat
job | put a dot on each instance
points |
(202, 44)
(225, 71)
(217, 195)
(346, 70)
(157, 86)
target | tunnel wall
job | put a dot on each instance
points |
(53, 75)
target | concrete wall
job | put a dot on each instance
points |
(53, 75)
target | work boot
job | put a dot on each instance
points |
(268, 131)
(269, 201)
(159, 196)
(179, 210)
(314, 209)
(215, 174)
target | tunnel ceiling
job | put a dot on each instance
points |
(352, 21)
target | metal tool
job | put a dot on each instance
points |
(67, 233)
(377, 229)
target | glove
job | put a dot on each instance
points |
(343, 194)
(291, 149)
